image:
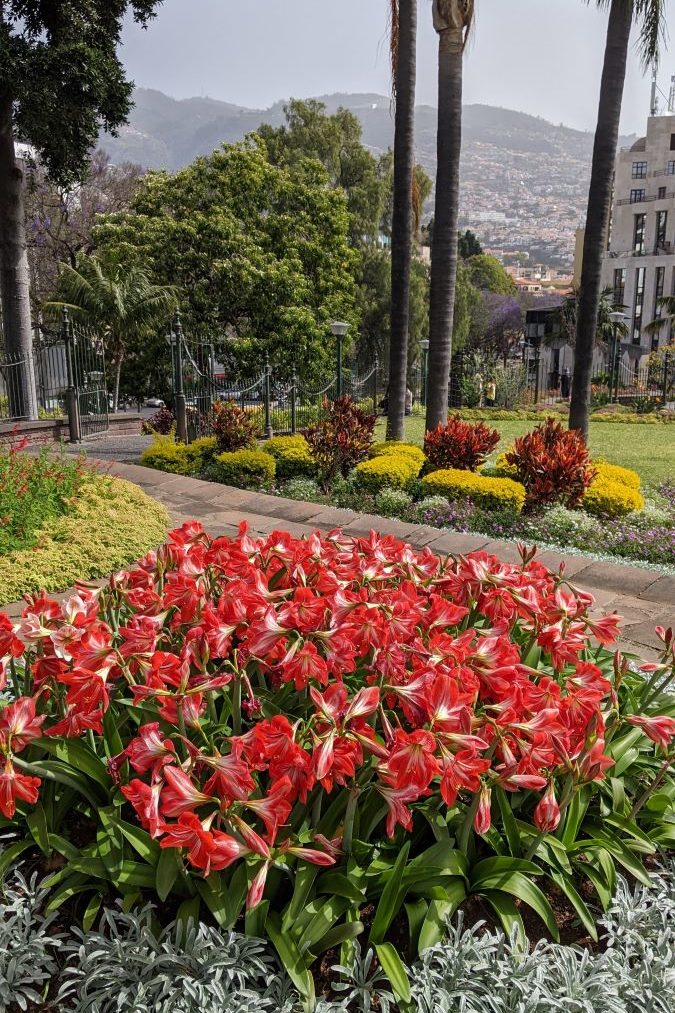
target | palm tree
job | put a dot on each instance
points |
(452, 21)
(649, 15)
(666, 305)
(605, 329)
(403, 55)
(117, 301)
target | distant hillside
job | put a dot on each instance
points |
(167, 133)
(529, 171)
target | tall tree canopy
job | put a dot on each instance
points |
(310, 134)
(60, 82)
(254, 251)
(488, 275)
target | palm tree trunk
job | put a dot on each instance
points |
(444, 244)
(599, 206)
(402, 215)
(14, 274)
(118, 373)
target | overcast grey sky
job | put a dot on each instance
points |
(539, 56)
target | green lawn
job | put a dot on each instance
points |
(647, 449)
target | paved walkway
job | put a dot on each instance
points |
(645, 598)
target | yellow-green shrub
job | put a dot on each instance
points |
(201, 453)
(502, 468)
(397, 448)
(243, 468)
(491, 493)
(111, 524)
(389, 471)
(605, 498)
(164, 454)
(292, 455)
(614, 473)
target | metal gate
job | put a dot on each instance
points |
(87, 362)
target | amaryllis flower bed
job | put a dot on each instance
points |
(309, 736)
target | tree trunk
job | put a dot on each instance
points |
(118, 373)
(599, 207)
(402, 217)
(15, 275)
(444, 245)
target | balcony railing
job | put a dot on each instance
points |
(645, 199)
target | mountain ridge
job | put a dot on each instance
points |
(524, 180)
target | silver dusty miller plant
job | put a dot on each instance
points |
(125, 968)
(27, 946)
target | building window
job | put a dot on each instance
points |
(670, 168)
(659, 284)
(672, 142)
(661, 229)
(638, 304)
(639, 170)
(671, 335)
(637, 196)
(619, 286)
(639, 235)
(662, 193)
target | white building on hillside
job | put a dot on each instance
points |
(640, 263)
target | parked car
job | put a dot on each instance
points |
(154, 402)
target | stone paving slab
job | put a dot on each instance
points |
(645, 597)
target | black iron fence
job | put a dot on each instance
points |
(62, 376)
(280, 404)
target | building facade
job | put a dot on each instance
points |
(639, 266)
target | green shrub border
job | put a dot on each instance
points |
(112, 523)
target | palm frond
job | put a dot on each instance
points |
(650, 16)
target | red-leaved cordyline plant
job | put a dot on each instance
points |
(459, 444)
(553, 464)
(267, 701)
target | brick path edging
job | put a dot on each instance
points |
(645, 598)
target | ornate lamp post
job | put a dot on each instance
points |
(339, 329)
(175, 340)
(424, 345)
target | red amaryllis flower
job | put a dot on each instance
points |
(150, 750)
(10, 645)
(412, 760)
(145, 800)
(13, 786)
(461, 771)
(274, 808)
(180, 794)
(659, 728)
(206, 850)
(483, 818)
(547, 813)
(19, 724)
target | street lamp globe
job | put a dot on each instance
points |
(617, 318)
(339, 328)
(424, 345)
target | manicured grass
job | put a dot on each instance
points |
(647, 449)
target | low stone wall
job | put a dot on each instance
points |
(56, 430)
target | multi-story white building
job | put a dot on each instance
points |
(640, 263)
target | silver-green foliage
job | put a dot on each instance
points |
(27, 945)
(392, 502)
(126, 968)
